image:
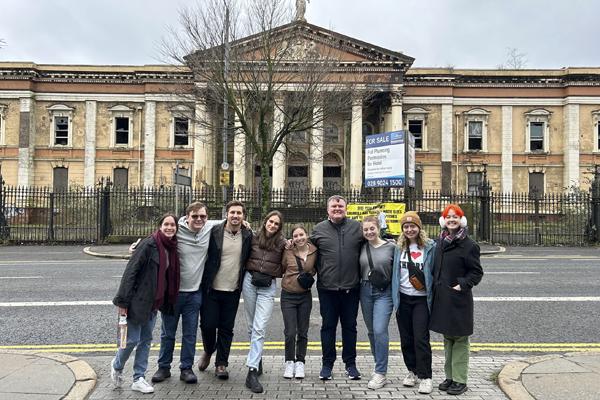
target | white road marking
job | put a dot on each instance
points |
(21, 277)
(58, 262)
(510, 273)
(315, 299)
(539, 299)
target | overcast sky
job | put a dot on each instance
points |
(437, 33)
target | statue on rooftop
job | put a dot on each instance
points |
(300, 10)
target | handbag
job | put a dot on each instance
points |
(260, 279)
(416, 277)
(305, 280)
(378, 278)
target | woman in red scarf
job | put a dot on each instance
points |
(150, 282)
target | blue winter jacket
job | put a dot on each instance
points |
(429, 253)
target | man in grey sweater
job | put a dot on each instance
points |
(338, 240)
(192, 245)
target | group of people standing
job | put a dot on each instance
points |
(196, 270)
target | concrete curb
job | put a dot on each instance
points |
(491, 252)
(85, 377)
(88, 251)
(509, 379)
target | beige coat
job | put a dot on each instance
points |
(289, 283)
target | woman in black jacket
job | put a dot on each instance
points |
(150, 282)
(456, 270)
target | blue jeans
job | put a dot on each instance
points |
(377, 306)
(139, 335)
(258, 304)
(342, 306)
(188, 308)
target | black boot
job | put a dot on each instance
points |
(252, 382)
(260, 371)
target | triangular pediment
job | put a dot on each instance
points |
(301, 38)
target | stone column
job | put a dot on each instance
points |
(25, 173)
(507, 149)
(89, 161)
(396, 115)
(279, 160)
(316, 152)
(571, 151)
(447, 139)
(202, 147)
(239, 156)
(356, 144)
(149, 142)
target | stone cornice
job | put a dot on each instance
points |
(94, 74)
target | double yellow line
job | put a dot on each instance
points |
(316, 346)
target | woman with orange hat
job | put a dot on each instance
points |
(456, 270)
(411, 292)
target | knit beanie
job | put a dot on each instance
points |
(411, 216)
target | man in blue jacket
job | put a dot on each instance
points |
(338, 240)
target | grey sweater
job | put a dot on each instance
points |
(192, 248)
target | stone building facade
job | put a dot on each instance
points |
(72, 125)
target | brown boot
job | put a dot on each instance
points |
(204, 361)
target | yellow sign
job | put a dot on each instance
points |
(391, 211)
(224, 179)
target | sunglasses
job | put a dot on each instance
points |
(195, 216)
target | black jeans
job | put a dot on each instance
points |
(217, 315)
(342, 306)
(296, 308)
(413, 323)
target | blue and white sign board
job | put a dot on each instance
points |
(385, 159)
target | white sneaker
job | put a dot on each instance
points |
(289, 370)
(140, 385)
(299, 370)
(410, 380)
(116, 376)
(426, 386)
(377, 381)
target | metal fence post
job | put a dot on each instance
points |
(536, 216)
(105, 225)
(596, 205)
(484, 218)
(51, 217)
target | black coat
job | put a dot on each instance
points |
(455, 263)
(138, 284)
(215, 249)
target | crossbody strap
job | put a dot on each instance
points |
(369, 256)
(300, 269)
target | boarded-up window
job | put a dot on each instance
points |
(536, 182)
(60, 179)
(474, 181)
(121, 178)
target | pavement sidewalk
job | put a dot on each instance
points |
(553, 377)
(44, 376)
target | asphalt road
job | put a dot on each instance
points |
(530, 299)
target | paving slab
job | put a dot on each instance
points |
(50, 378)
(558, 365)
(580, 386)
(482, 385)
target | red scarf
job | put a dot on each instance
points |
(167, 283)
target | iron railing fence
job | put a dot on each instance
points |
(76, 215)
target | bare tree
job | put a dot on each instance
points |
(514, 59)
(2, 43)
(244, 55)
